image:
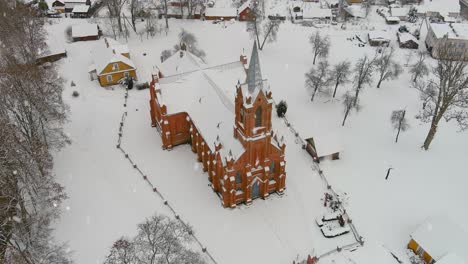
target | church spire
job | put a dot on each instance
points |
(254, 75)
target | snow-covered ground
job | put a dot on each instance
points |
(108, 198)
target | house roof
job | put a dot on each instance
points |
(391, 18)
(80, 9)
(405, 37)
(379, 35)
(245, 5)
(84, 30)
(327, 143)
(316, 12)
(440, 235)
(103, 56)
(453, 30)
(399, 11)
(220, 12)
(356, 11)
(208, 94)
(54, 47)
(74, 1)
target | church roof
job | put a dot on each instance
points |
(254, 74)
(206, 93)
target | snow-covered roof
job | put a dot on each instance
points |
(399, 11)
(278, 10)
(103, 56)
(327, 143)
(117, 46)
(453, 30)
(439, 6)
(391, 18)
(80, 9)
(207, 94)
(54, 47)
(378, 35)
(405, 37)
(84, 30)
(451, 259)
(221, 12)
(440, 235)
(310, 11)
(356, 11)
(245, 5)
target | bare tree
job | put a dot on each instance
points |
(270, 29)
(254, 25)
(115, 10)
(350, 103)
(188, 41)
(399, 122)
(445, 94)
(122, 252)
(159, 240)
(165, 54)
(194, 5)
(387, 68)
(408, 57)
(363, 71)
(317, 79)
(135, 8)
(320, 45)
(340, 74)
(419, 69)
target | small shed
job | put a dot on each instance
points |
(324, 146)
(316, 13)
(245, 11)
(54, 51)
(379, 38)
(84, 32)
(439, 237)
(80, 11)
(391, 20)
(407, 41)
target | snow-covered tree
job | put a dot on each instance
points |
(188, 41)
(445, 94)
(350, 103)
(281, 108)
(159, 240)
(363, 71)
(318, 79)
(135, 8)
(399, 122)
(260, 29)
(340, 74)
(115, 11)
(165, 54)
(270, 31)
(320, 45)
(387, 68)
(419, 69)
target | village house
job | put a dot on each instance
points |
(378, 38)
(85, 32)
(407, 41)
(440, 240)
(224, 113)
(59, 6)
(243, 13)
(112, 63)
(70, 4)
(80, 11)
(455, 35)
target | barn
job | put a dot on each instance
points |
(80, 11)
(407, 41)
(84, 32)
(378, 38)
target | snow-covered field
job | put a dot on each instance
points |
(108, 198)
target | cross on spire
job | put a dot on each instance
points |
(254, 74)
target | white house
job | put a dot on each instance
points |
(455, 34)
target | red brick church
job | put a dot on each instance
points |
(224, 113)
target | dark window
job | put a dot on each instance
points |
(272, 166)
(238, 178)
(258, 117)
(242, 116)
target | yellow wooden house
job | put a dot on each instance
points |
(112, 63)
(439, 238)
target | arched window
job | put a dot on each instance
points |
(238, 177)
(258, 117)
(242, 115)
(272, 166)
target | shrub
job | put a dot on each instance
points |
(281, 108)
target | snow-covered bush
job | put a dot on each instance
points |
(75, 94)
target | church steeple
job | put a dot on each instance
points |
(254, 74)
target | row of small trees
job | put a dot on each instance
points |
(31, 116)
(443, 87)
